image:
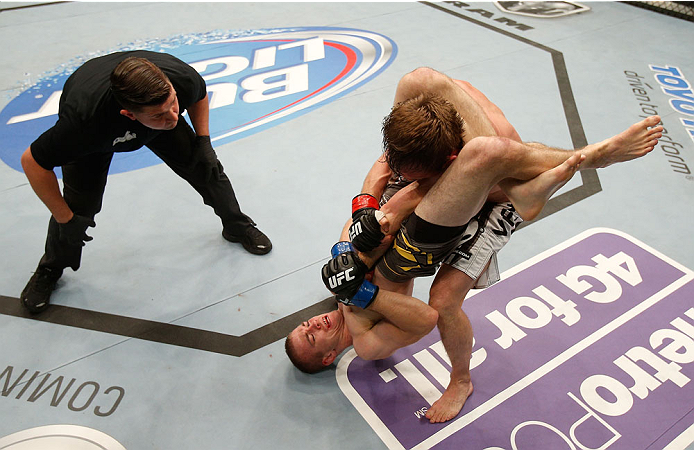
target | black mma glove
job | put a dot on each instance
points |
(74, 232)
(365, 231)
(344, 276)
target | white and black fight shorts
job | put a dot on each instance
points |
(472, 249)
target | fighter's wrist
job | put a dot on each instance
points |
(341, 247)
(365, 295)
(362, 201)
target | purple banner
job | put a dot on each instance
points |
(588, 345)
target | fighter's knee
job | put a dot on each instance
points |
(443, 300)
(486, 150)
(429, 321)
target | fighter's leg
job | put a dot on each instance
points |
(446, 296)
(485, 161)
(473, 263)
(634, 142)
(476, 108)
(481, 164)
(403, 287)
(529, 197)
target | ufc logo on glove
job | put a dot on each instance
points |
(336, 280)
(355, 230)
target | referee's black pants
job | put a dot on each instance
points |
(84, 182)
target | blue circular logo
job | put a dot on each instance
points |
(255, 79)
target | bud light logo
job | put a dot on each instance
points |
(255, 80)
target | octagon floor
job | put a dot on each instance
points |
(169, 337)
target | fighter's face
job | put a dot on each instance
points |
(418, 175)
(319, 334)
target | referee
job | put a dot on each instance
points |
(118, 103)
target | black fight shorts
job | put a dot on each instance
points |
(470, 252)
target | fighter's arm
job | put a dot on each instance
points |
(45, 184)
(377, 178)
(392, 321)
(402, 204)
(379, 321)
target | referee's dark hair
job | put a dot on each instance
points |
(137, 83)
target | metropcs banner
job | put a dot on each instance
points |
(255, 79)
(587, 346)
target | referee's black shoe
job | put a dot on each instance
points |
(252, 239)
(37, 293)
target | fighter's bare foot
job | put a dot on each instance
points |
(634, 142)
(450, 403)
(529, 197)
